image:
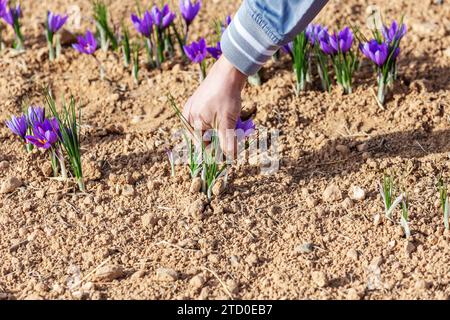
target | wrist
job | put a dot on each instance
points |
(232, 76)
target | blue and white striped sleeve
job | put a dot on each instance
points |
(260, 27)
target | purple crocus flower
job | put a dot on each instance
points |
(162, 18)
(145, 25)
(342, 41)
(377, 52)
(313, 31)
(55, 22)
(35, 114)
(227, 23)
(86, 45)
(216, 51)
(288, 48)
(189, 10)
(196, 52)
(18, 125)
(11, 14)
(394, 32)
(324, 42)
(44, 135)
(247, 126)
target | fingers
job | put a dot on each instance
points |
(227, 135)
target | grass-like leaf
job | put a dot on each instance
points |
(101, 20)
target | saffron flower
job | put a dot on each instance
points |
(44, 135)
(18, 125)
(53, 25)
(216, 51)
(11, 16)
(145, 25)
(196, 52)
(162, 18)
(383, 49)
(35, 114)
(394, 32)
(325, 43)
(87, 44)
(247, 127)
(312, 32)
(377, 52)
(189, 10)
(342, 41)
(55, 21)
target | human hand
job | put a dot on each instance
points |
(217, 102)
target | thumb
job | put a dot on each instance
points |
(227, 137)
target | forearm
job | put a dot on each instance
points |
(260, 27)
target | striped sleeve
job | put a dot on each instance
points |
(260, 27)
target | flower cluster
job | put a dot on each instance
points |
(51, 134)
(11, 15)
(383, 50)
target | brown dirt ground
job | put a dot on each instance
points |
(133, 220)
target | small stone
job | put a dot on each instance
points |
(109, 273)
(311, 202)
(420, 284)
(128, 190)
(376, 262)
(47, 169)
(252, 259)
(332, 193)
(362, 147)
(409, 248)
(149, 220)
(196, 209)
(306, 247)
(352, 254)
(376, 219)
(352, 294)
(218, 187)
(4, 165)
(214, 258)
(233, 286)
(78, 294)
(196, 185)
(197, 282)
(88, 286)
(356, 193)
(347, 203)
(447, 52)
(166, 274)
(234, 261)
(319, 278)
(10, 184)
(138, 274)
(342, 149)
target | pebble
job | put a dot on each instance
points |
(4, 165)
(356, 193)
(149, 220)
(306, 247)
(362, 147)
(166, 274)
(319, 278)
(233, 286)
(352, 294)
(376, 219)
(332, 193)
(252, 259)
(311, 202)
(196, 209)
(196, 185)
(447, 52)
(342, 149)
(109, 273)
(376, 262)
(352, 254)
(218, 187)
(128, 190)
(10, 184)
(234, 260)
(197, 282)
(138, 274)
(409, 248)
(347, 203)
(420, 284)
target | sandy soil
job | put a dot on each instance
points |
(140, 234)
